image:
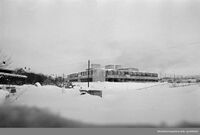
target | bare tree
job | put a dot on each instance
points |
(5, 60)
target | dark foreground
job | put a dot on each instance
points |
(22, 117)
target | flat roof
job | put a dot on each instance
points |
(5, 69)
(12, 75)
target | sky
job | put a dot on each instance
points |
(59, 36)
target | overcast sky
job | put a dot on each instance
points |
(59, 36)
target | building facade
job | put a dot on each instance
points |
(8, 76)
(113, 73)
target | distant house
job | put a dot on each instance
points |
(8, 76)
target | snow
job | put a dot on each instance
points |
(12, 75)
(122, 103)
(3, 94)
(37, 84)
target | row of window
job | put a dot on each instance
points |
(121, 73)
(73, 75)
(85, 73)
(113, 72)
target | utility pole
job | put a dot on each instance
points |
(174, 77)
(63, 80)
(88, 73)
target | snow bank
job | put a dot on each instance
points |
(122, 103)
(37, 84)
(3, 94)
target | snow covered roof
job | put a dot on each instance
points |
(12, 75)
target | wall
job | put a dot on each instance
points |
(98, 75)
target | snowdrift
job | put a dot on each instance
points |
(3, 94)
(122, 103)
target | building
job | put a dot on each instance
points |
(95, 66)
(113, 73)
(8, 76)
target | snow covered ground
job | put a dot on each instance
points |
(122, 103)
(3, 95)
